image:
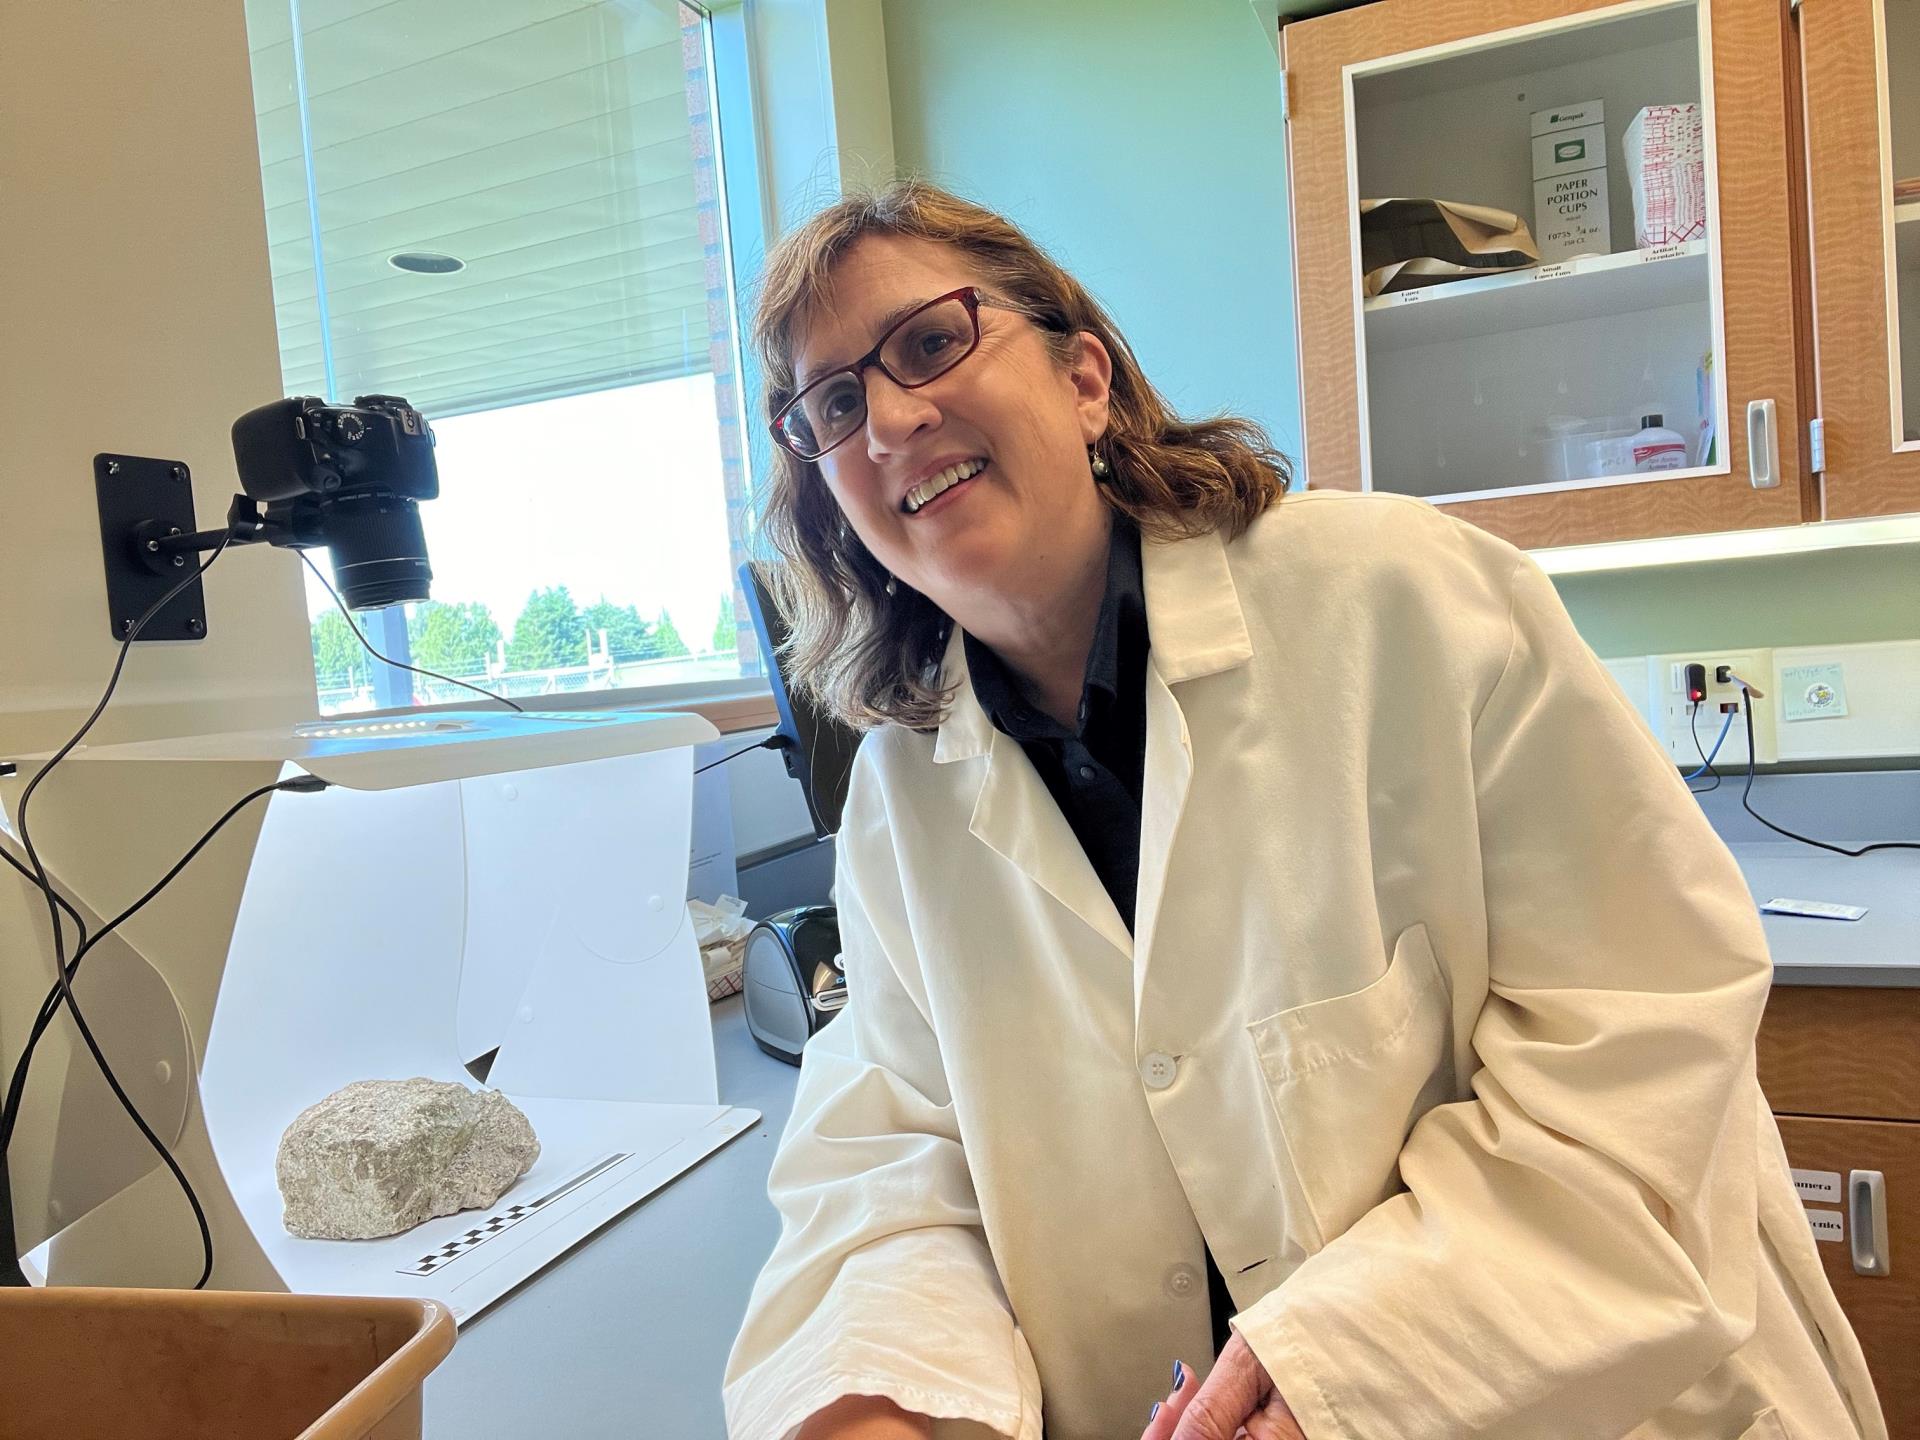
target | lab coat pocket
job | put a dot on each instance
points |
(1349, 1076)
(1767, 1425)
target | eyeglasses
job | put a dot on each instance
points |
(917, 349)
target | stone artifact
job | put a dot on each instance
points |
(380, 1156)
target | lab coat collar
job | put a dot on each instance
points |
(1194, 625)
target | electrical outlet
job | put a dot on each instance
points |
(1677, 727)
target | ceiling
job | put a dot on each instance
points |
(545, 143)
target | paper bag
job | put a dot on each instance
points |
(1406, 243)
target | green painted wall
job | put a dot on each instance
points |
(1828, 597)
(1141, 142)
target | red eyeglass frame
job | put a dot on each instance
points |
(968, 295)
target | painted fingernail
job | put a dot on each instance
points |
(1153, 1414)
(1179, 1375)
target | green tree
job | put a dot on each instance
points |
(628, 636)
(549, 632)
(457, 639)
(666, 640)
(338, 659)
(726, 632)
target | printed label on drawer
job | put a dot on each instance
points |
(1827, 1225)
(1818, 1184)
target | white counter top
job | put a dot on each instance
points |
(1881, 948)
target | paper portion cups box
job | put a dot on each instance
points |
(1570, 211)
(1666, 169)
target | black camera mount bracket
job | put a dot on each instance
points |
(147, 540)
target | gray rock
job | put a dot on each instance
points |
(380, 1156)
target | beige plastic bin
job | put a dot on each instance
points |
(105, 1364)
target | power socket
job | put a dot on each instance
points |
(1676, 728)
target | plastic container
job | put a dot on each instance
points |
(1657, 448)
(1562, 440)
(110, 1364)
(1573, 448)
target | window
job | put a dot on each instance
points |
(512, 213)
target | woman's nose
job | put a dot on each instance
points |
(894, 414)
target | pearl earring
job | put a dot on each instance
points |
(1100, 467)
(893, 586)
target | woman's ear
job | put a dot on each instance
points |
(1092, 375)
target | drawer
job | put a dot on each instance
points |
(1841, 1050)
(1884, 1310)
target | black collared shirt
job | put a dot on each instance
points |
(1095, 771)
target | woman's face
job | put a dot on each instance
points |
(1033, 510)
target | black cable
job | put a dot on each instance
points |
(45, 886)
(1706, 764)
(430, 674)
(1850, 854)
(772, 742)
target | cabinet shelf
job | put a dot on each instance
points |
(1583, 288)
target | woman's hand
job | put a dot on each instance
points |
(865, 1417)
(1238, 1402)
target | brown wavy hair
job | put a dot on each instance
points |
(870, 658)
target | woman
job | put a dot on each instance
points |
(1269, 934)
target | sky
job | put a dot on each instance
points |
(616, 493)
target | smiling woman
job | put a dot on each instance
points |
(1278, 956)
(1046, 377)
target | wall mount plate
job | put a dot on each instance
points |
(140, 499)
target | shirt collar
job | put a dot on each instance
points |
(1121, 625)
(1192, 610)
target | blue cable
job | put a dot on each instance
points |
(1725, 725)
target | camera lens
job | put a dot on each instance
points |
(379, 550)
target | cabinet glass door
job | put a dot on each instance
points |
(1522, 247)
(1902, 73)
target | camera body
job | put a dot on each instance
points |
(349, 478)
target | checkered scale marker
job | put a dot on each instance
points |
(494, 1224)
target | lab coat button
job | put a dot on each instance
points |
(1182, 1282)
(1158, 1070)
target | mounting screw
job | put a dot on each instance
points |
(179, 560)
(196, 626)
(153, 546)
(179, 472)
(126, 627)
(113, 467)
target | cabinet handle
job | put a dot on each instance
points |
(1763, 444)
(1867, 1222)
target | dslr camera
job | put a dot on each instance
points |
(348, 478)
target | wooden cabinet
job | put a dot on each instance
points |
(1863, 142)
(1841, 1069)
(1506, 397)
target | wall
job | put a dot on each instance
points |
(138, 318)
(1826, 597)
(1141, 142)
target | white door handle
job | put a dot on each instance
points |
(1763, 444)
(1867, 1222)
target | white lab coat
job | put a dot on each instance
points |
(1437, 1024)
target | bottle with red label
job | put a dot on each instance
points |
(1656, 447)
